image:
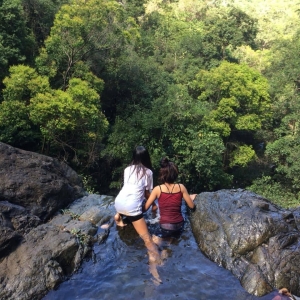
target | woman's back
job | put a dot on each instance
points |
(130, 198)
(169, 203)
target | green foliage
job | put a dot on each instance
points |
(82, 238)
(237, 101)
(69, 120)
(181, 40)
(225, 30)
(39, 15)
(89, 184)
(283, 147)
(283, 76)
(131, 84)
(171, 127)
(242, 156)
(199, 156)
(24, 83)
(275, 192)
(81, 31)
(16, 41)
(284, 152)
(15, 125)
(237, 96)
(73, 215)
(135, 8)
(277, 20)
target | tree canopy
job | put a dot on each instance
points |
(213, 85)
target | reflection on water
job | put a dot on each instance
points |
(120, 270)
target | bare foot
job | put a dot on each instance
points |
(119, 220)
(153, 270)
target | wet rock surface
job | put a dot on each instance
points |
(42, 241)
(51, 252)
(256, 240)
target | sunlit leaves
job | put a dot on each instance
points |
(70, 120)
(242, 156)
(238, 97)
(80, 30)
(248, 122)
(23, 83)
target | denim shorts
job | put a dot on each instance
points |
(171, 229)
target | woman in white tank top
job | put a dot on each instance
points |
(138, 182)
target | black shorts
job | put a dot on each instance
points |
(132, 218)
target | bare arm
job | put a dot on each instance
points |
(154, 194)
(187, 198)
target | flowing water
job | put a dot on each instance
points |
(120, 270)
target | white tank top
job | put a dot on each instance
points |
(130, 199)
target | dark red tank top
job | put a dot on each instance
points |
(170, 207)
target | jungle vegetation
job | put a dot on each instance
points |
(213, 85)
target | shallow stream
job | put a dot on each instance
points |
(120, 270)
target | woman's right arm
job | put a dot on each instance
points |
(154, 194)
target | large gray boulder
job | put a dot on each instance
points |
(32, 188)
(39, 183)
(256, 240)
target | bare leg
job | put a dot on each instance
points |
(157, 240)
(154, 256)
(163, 242)
(166, 241)
(119, 220)
(142, 229)
(153, 271)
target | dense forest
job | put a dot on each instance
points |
(213, 85)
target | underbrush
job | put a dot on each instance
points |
(275, 192)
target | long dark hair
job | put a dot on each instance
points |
(141, 160)
(168, 171)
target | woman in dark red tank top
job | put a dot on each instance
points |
(169, 196)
